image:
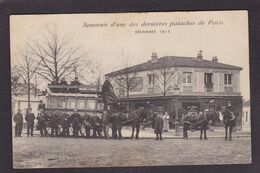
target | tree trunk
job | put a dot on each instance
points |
(28, 93)
(127, 102)
(164, 102)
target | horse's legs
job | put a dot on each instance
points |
(185, 133)
(133, 131)
(201, 131)
(226, 129)
(120, 133)
(137, 132)
(230, 133)
(205, 134)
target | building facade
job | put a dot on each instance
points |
(246, 117)
(178, 82)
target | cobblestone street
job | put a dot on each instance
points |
(42, 152)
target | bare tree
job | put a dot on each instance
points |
(89, 71)
(27, 69)
(15, 80)
(165, 78)
(56, 53)
(125, 80)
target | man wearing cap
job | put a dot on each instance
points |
(42, 119)
(228, 116)
(18, 119)
(66, 124)
(75, 121)
(29, 118)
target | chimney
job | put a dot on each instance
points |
(215, 59)
(200, 54)
(154, 56)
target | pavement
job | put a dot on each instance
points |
(148, 133)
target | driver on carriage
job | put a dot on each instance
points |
(41, 105)
(107, 93)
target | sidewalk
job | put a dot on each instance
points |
(218, 133)
(148, 133)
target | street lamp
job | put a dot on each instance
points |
(176, 121)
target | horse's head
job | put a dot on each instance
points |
(213, 116)
(150, 111)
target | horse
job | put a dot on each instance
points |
(199, 121)
(229, 120)
(134, 118)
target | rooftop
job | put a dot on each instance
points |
(175, 61)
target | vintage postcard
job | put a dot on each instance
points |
(130, 89)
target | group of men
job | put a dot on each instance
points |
(29, 118)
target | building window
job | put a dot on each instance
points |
(208, 78)
(151, 79)
(228, 79)
(186, 77)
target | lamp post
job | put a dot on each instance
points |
(176, 121)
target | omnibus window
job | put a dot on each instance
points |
(61, 103)
(71, 103)
(91, 104)
(81, 104)
(52, 102)
(99, 106)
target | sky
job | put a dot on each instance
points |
(223, 34)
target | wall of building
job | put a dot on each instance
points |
(196, 87)
(246, 119)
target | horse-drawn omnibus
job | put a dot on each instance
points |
(66, 99)
(87, 99)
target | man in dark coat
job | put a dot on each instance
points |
(41, 106)
(87, 124)
(54, 124)
(107, 93)
(75, 84)
(158, 126)
(42, 120)
(75, 121)
(29, 118)
(228, 117)
(105, 123)
(65, 124)
(18, 119)
(63, 82)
